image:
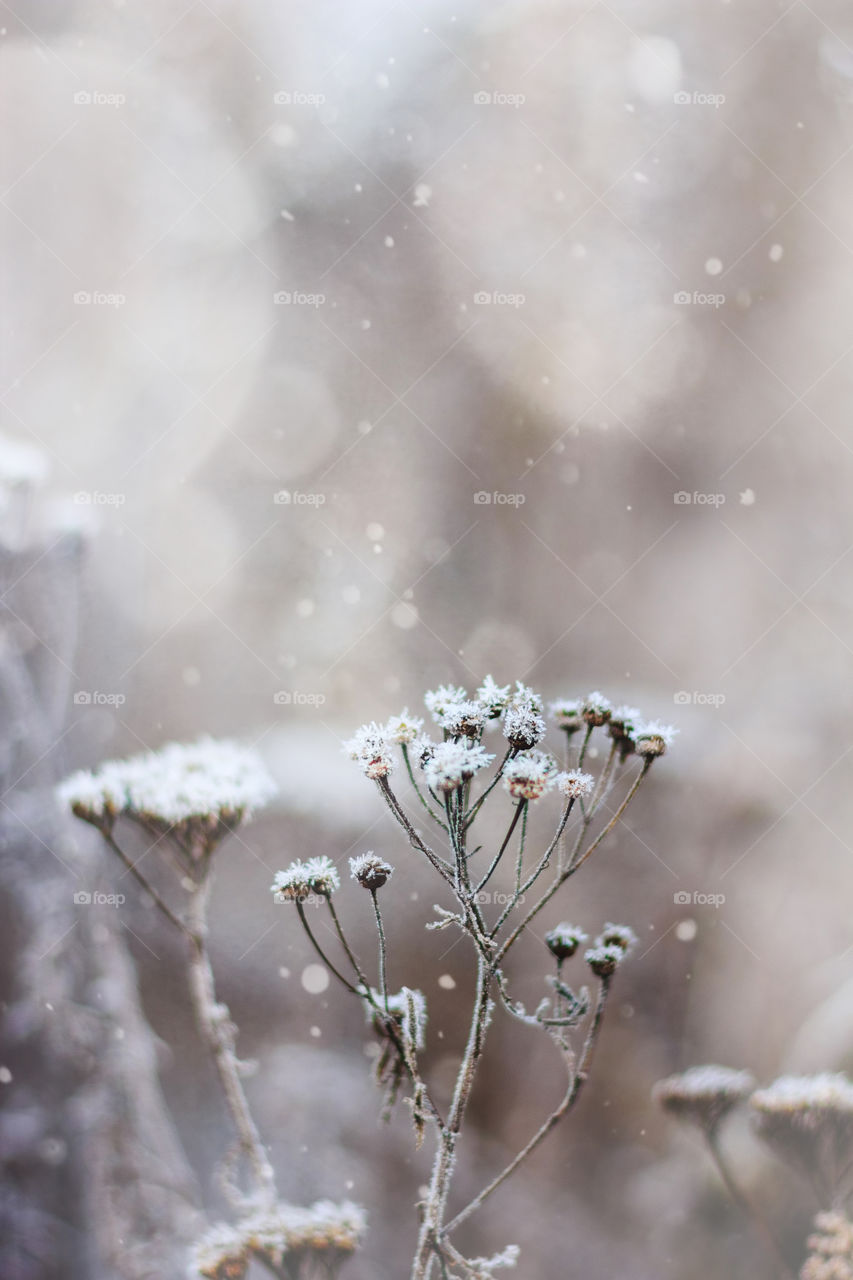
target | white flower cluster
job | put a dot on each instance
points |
(302, 879)
(625, 725)
(789, 1095)
(610, 949)
(371, 747)
(575, 784)
(179, 782)
(224, 1251)
(528, 775)
(703, 1094)
(450, 764)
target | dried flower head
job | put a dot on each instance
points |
(403, 728)
(195, 790)
(564, 939)
(439, 701)
(325, 1229)
(808, 1120)
(831, 1249)
(596, 709)
(370, 870)
(624, 722)
(408, 1010)
(704, 1094)
(653, 738)
(617, 935)
(220, 1254)
(529, 774)
(302, 879)
(464, 719)
(452, 763)
(371, 747)
(493, 697)
(575, 783)
(604, 961)
(566, 714)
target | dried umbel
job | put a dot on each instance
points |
(285, 1239)
(808, 1120)
(451, 780)
(831, 1249)
(704, 1095)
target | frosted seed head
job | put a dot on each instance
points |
(566, 714)
(703, 1095)
(575, 784)
(652, 739)
(596, 709)
(564, 940)
(604, 961)
(370, 870)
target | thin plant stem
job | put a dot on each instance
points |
(407, 759)
(131, 866)
(519, 810)
(219, 1033)
(743, 1202)
(320, 952)
(383, 984)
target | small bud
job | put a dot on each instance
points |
(596, 709)
(564, 940)
(604, 961)
(370, 871)
(566, 714)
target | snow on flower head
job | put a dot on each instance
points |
(464, 719)
(208, 779)
(523, 722)
(596, 709)
(403, 728)
(604, 960)
(653, 738)
(564, 939)
(370, 746)
(370, 870)
(439, 701)
(452, 763)
(703, 1094)
(220, 1254)
(493, 697)
(529, 774)
(574, 783)
(566, 714)
(624, 721)
(617, 935)
(806, 1095)
(301, 879)
(276, 1232)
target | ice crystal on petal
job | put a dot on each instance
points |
(452, 763)
(439, 701)
(403, 728)
(529, 774)
(370, 870)
(653, 738)
(464, 719)
(370, 746)
(317, 875)
(575, 783)
(493, 697)
(604, 960)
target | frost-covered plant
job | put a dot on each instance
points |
(808, 1121)
(188, 798)
(452, 779)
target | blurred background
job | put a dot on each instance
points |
(358, 347)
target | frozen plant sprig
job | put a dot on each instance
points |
(555, 820)
(188, 797)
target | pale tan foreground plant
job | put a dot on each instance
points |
(808, 1122)
(450, 782)
(187, 799)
